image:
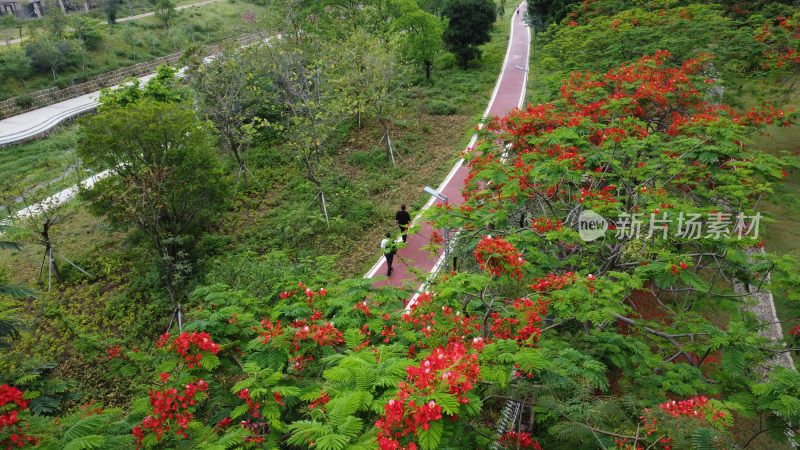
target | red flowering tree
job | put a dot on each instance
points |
(665, 169)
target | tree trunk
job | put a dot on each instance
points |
(428, 70)
(233, 148)
(53, 265)
(310, 176)
(48, 249)
(389, 145)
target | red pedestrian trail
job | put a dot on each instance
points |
(413, 261)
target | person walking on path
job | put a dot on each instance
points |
(403, 220)
(388, 251)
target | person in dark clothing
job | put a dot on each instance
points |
(403, 220)
(388, 251)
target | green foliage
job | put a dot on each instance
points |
(163, 87)
(90, 427)
(52, 55)
(420, 34)
(168, 179)
(440, 108)
(88, 31)
(550, 10)
(468, 26)
(165, 10)
(15, 63)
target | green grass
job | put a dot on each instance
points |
(211, 23)
(783, 235)
(32, 171)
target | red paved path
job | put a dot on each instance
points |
(509, 93)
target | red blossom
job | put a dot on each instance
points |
(518, 440)
(498, 256)
(190, 346)
(113, 352)
(172, 411)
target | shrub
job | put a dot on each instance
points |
(88, 32)
(440, 108)
(53, 55)
(24, 101)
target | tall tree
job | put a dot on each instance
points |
(299, 70)
(164, 10)
(419, 33)
(167, 179)
(469, 24)
(110, 9)
(39, 220)
(372, 82)
(227, 95)
(14, 63)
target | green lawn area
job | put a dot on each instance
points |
(144, 39)
(783, 235)
(32, 171)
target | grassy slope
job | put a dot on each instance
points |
(32, 171)
(210, 23)
(781, 236)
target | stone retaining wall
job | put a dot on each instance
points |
(45, 97)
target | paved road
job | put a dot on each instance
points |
(124, 19)
(509, 93)
(35, 123)
(32, 124)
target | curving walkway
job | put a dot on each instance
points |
(509, 93)
(26, 126)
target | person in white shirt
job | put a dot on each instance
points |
(388, 252)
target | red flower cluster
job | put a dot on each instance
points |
(553, 282)
(600, 195)
(531, 318)
(269, 330)
(113, 352)
(171, 410)
(532, 313)
(253, 408)
(303, 332)
(518, 440)
(544, 224)
(498, 257)
(320, 401)
(401, 420)
(190, 346)
(363, 307)
(691, 407)
(454, 366)
(12, 402)
(676, 270)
